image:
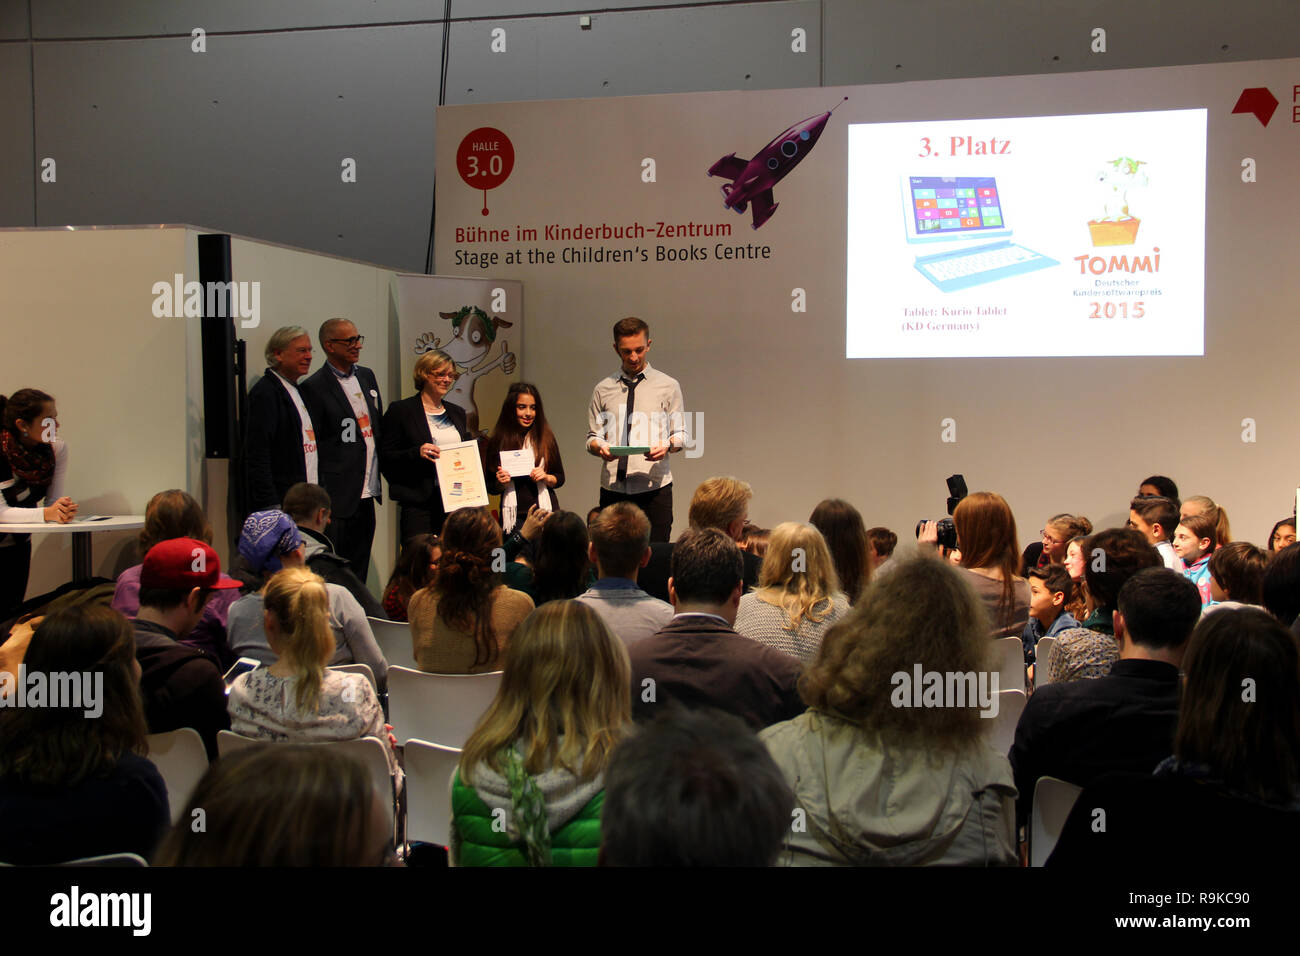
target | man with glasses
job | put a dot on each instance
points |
(345, 405)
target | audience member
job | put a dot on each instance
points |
(842, 527)
(298, 698)
(74, 779)
(755, 540)
(530, 784)
(279, 436)
(1237, 576)
(880, 548)
(881, 784)
(291, 805)
(986, 537)
(1194, 542)
(721, 503)
(309, 507)
(1160, 487)
(1050, 590)
(415, 429)
(561, 567)
(1122, 721)
(798, 596)
(33, 461)
(181, 686)
(1230, 795)
(1077, 606)
(1058, 532)
(414, 570)
(1283, 534)
(1157, 519)
(1111, 557)
(345, 405)
(462, 622)
(698, 659)
(1280, 591)
(522, 425)
(1201, 505)
(620, 547)
(270, 541)
(694, 788)
(176, 514)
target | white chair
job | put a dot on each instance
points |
(1053, 801)
(442, 708)
(368, 751)
(358, 669)
(182, 760)
(108, 859)
(1002, 732)
(1042, 654)
(429, 768)
(1010, 655)
(394, 639)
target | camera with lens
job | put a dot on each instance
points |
(947, 530)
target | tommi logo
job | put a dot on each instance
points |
(180, 299)
(77, 909)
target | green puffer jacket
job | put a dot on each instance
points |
(480, 839)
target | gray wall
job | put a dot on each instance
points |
(249, 136)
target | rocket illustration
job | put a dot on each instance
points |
(752, 180)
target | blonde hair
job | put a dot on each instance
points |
(924, 613)
(563, 695)
(718, 502)
(1218, 516)
(427, 364)
(297, 598)
(798, 591)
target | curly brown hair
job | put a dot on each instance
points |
(465, 579)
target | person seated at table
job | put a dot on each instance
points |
(271, 541)
(530, 783)
(309, 507)
(461, 623)
(176, 514)
(33, 462)
(522, 425)
(291, 805)
(414, 570)
(298, 698)
(74, 778)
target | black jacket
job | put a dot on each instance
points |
(342, 462)
(336, 569)
(1081, 729)
(413, 480)
(181, 686)
(273, 455)
(653, 578)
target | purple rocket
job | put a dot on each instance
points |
(752, 180)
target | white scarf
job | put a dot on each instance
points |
(509, 504)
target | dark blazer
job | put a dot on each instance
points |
(653, 578)
(273, 455)
(700, 662)
(342, 463)
(1078, 730)
(413, 480)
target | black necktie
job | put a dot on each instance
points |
(627, 422)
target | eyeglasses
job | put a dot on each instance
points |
(1042, 533)
(450, 376)
(352, 342)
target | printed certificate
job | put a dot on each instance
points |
(460, 476)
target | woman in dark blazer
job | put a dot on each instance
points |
(411, 432)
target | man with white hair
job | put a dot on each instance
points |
(280, 439)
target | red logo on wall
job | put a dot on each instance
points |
(484, 159)
(1259, 101)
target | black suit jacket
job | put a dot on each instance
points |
(342, 463)
(273, 455)
(653, 578)
(413, 480)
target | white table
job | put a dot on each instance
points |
(81, 530)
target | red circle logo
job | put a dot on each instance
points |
(485, 158)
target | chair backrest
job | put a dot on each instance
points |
(394, 639)
(108, 859)
(368, 750)
(1002, 732)
(358, 669)
(1010, 655)
(1042, 654)
(428, 810)
(182, 760)
(442, 708)
(1053, 801)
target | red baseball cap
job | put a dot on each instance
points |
(182, 564)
